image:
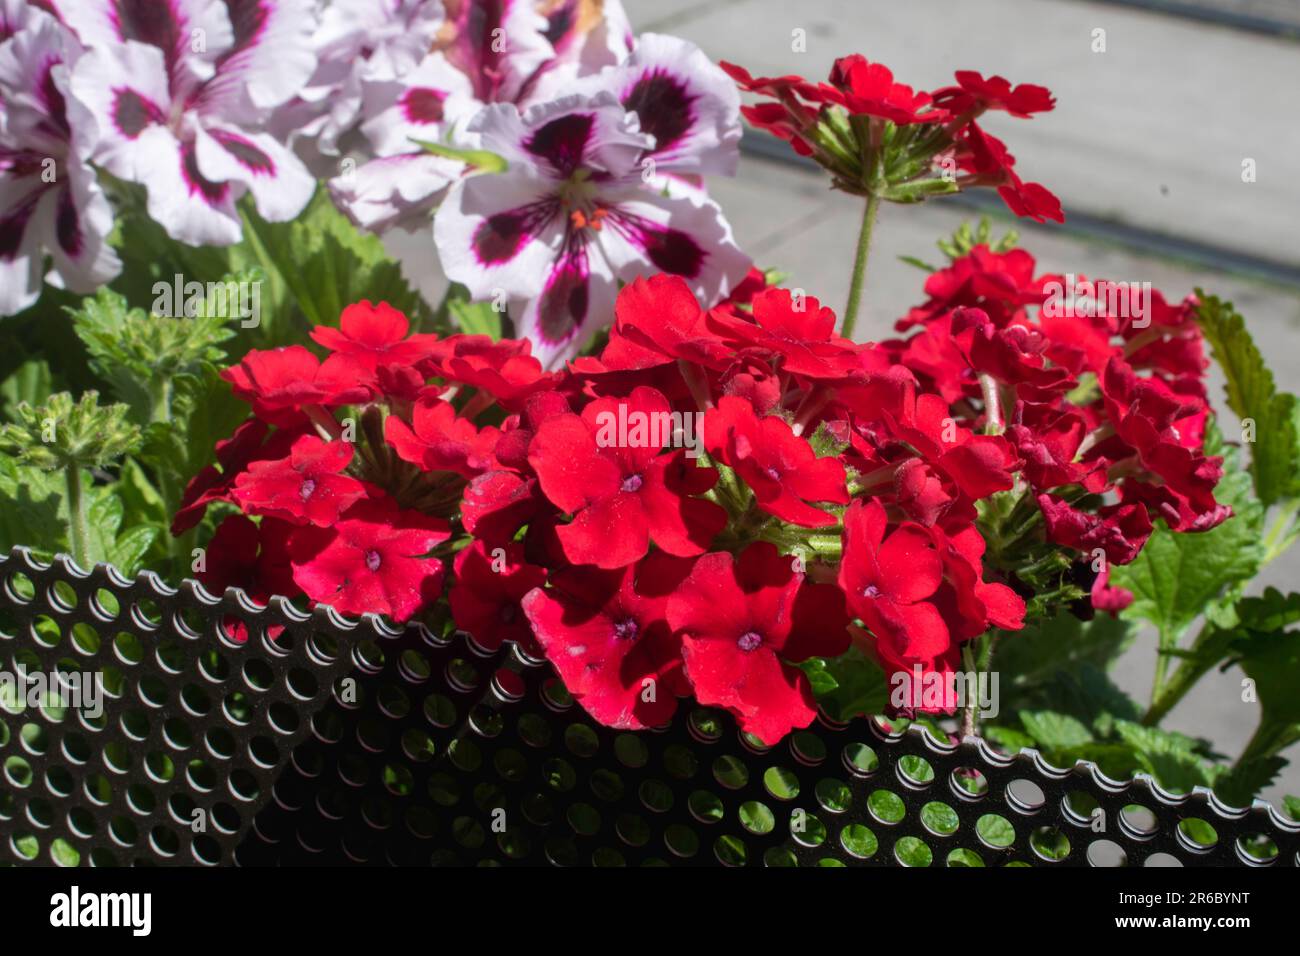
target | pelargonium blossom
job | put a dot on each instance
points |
(484, 51)
(51, 204)
(182, 92)
(577, 212)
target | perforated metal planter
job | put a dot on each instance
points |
(319, 740)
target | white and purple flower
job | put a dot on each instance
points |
(581, 209)
(356, 42)
(491, 51)
(50, 202)
(182, 90)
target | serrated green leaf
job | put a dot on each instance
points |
(32, 508)
(128, 551)
(1241, 784)
(1254, 396)
(1055, 732)
(1171, 758)
(317, 264)
(825, 444)
(852, 685)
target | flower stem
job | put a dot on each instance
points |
(860, 265)
(78, 522)
(968, 707)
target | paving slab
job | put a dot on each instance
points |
(1150, 133)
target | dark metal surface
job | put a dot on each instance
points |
(439, 751)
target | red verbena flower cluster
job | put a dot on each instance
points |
(720, 495)
(878, 136)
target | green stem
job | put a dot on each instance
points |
(78, 522)
(860, 265)
(968, 708)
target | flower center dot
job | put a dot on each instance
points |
(373, 560)
(772, 473)
(306, 488)
(871, 591)
(750, 640)
(625, 630)
(632, 483)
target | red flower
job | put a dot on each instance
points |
(497, 504)
(252, 557)
(868, 88)
(889, 581)
(1048, 439)
(742, 621)
(622, 494)
(607, 634)
(374, 336)
(978, 465)
(781, 468)
(440, 440)
(248, 444)
(372, 561)
(489, 584)
(306, 487)
(661, 314)
(800, 331)
(502, 369)
(1119, 531)
(278, 382)
(1031, 200)
(969, 604)
(974, 92)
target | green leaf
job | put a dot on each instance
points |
(315, 265)
(62, 433)
(1007, 738)
(32, 508)
(1253, 395)
(1271, 611)
(481, 159)
(1171, 758)
(1240, 785)
(848, 686)
(1177, 576)
(1292, 807)
(128, 551)
(917, 263)
(140, 354)
(30, 382)
(1053, 731)
(472, 318)
(1031, 661)
(204, 412)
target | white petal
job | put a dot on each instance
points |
(190, 33)
(280, 183)
(269, 59)
(125, 87)
(576, 300)
(683, 233)
(419, 106)
(496, 234)
(394, 190)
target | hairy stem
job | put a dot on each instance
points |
(859, 278)
(78, 521)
